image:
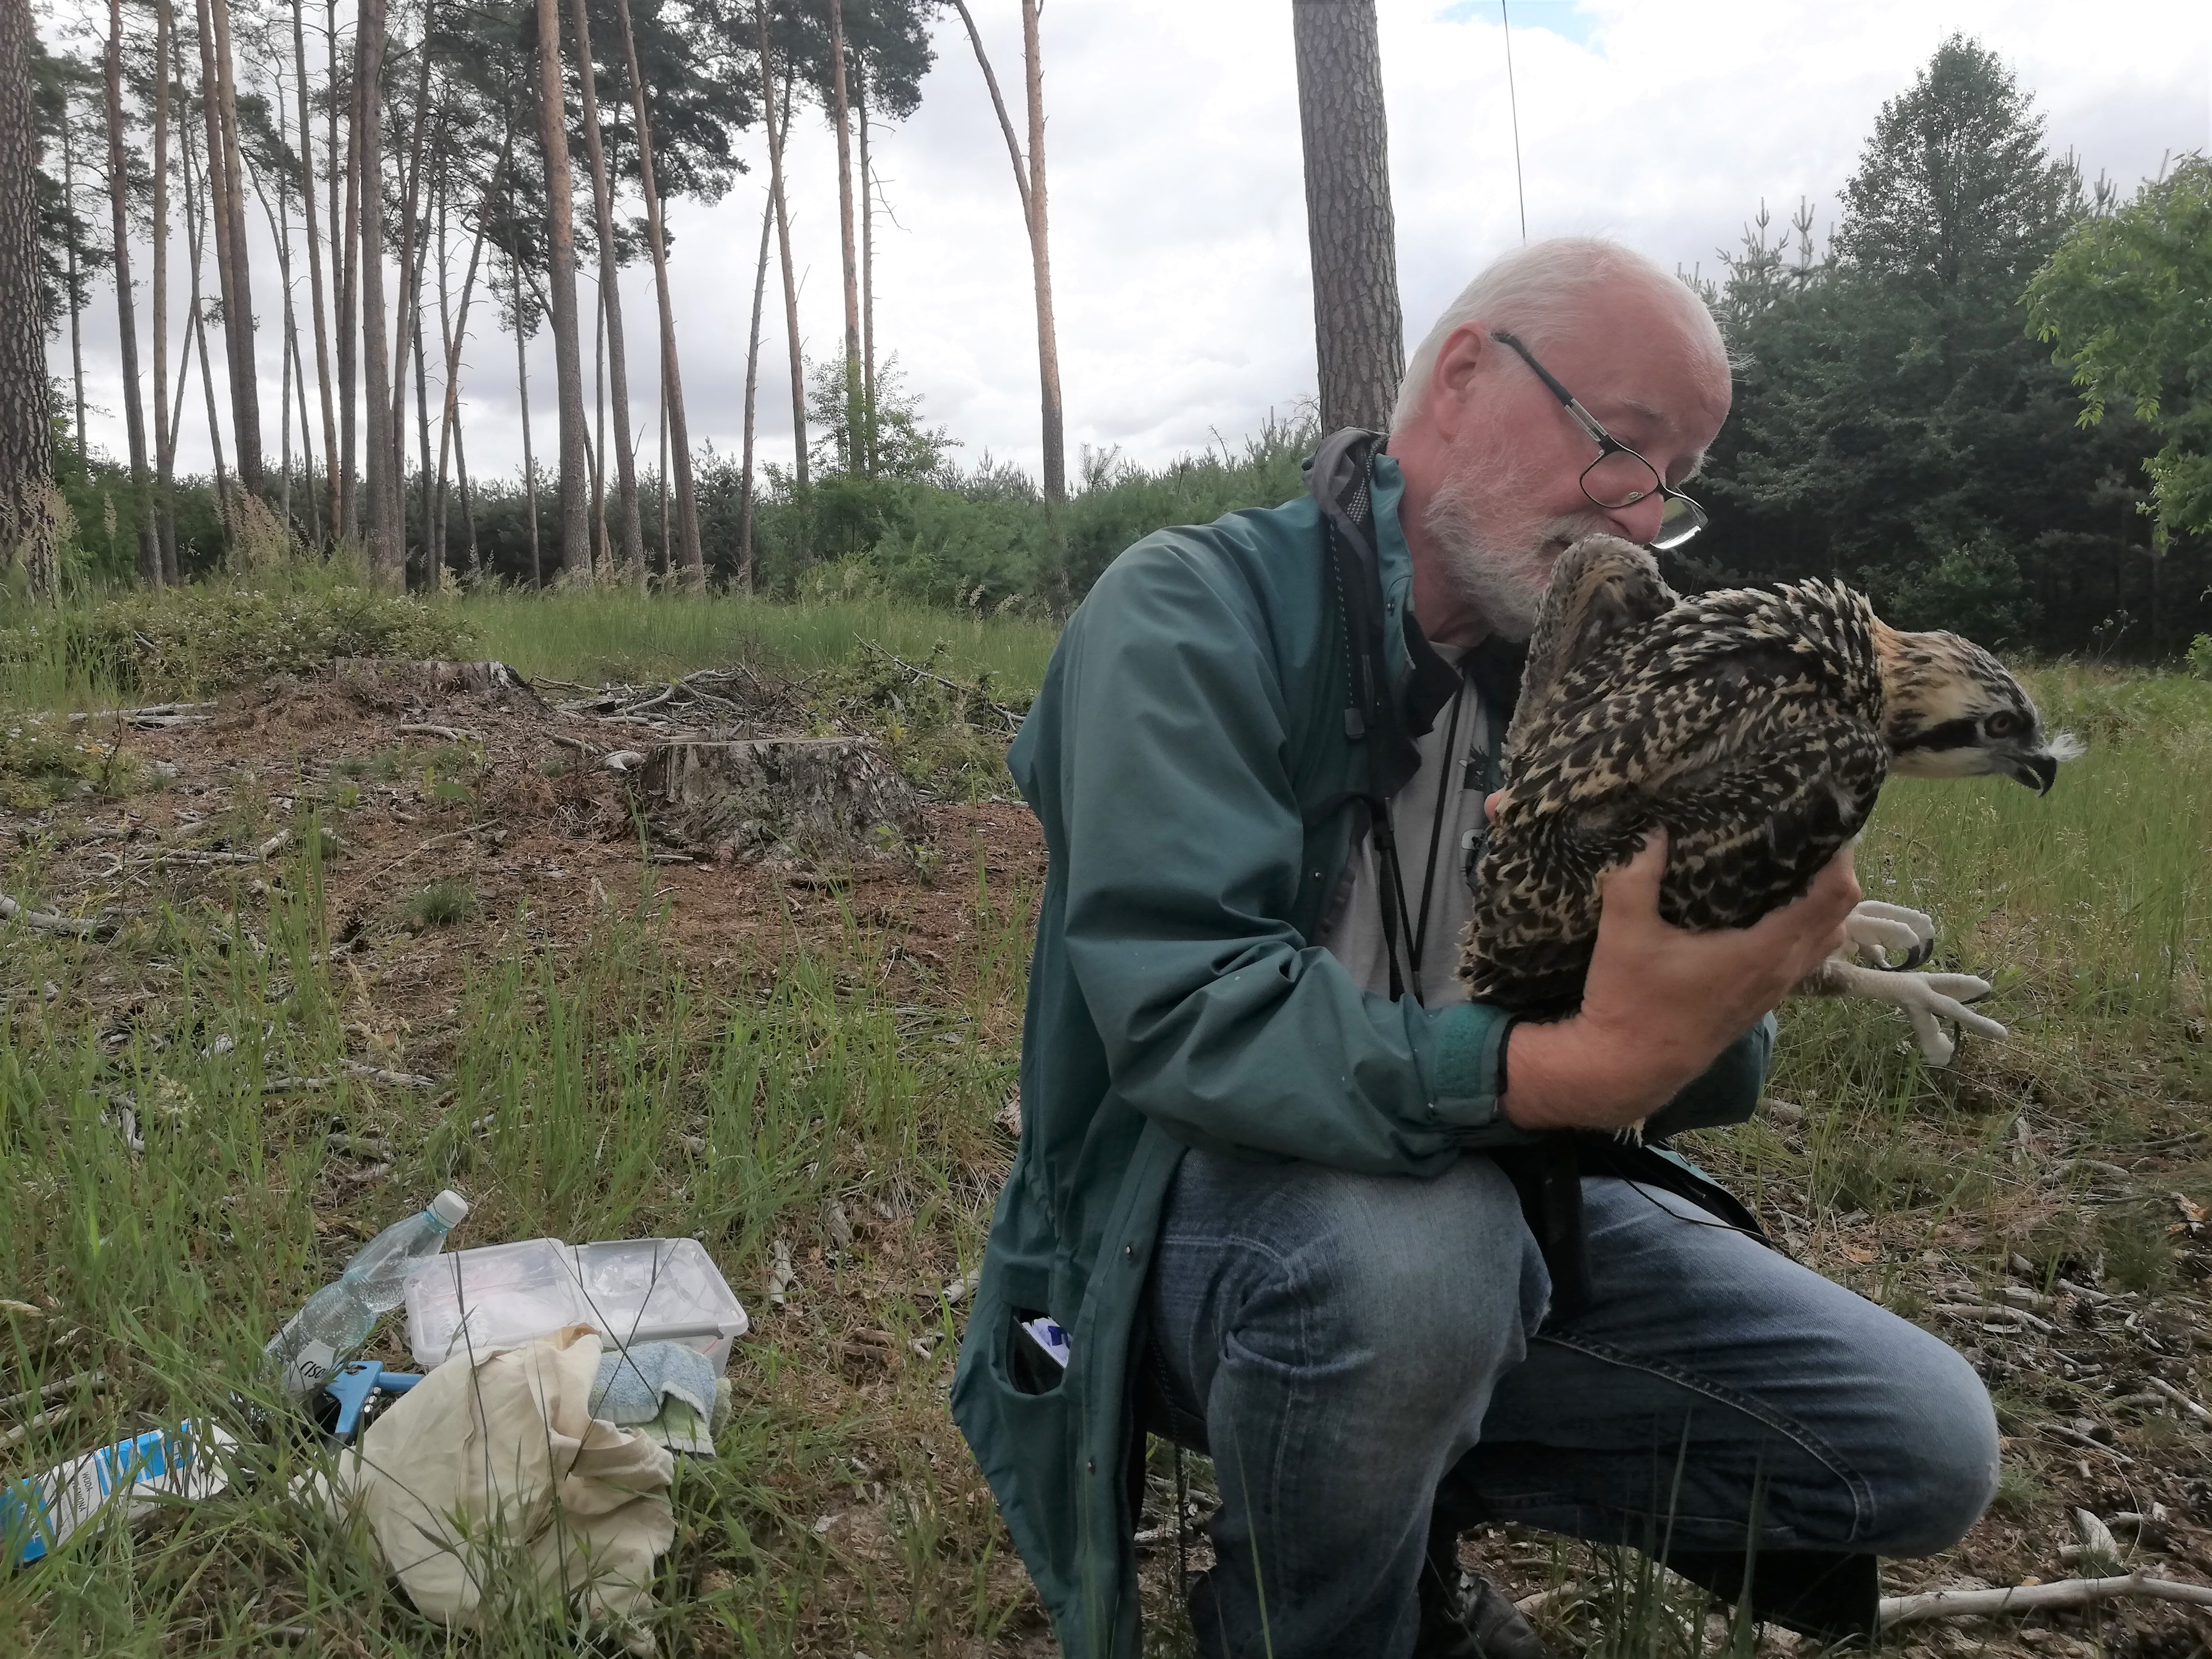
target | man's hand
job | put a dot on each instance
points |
(1661, 1002)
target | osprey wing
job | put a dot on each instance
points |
(1760, 756)
(1603, 589)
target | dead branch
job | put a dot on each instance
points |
(45, 920)
(1012, 720)
(154, 717)
(395, 1079)
(95, 1381)
(2033, 1598)
(22, 1431)
(1980, 1312)
(1550, 1600)
(449, 733)
(2159, 1385)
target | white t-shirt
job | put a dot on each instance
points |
(1353, 932)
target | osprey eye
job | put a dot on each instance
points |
(2001, 725)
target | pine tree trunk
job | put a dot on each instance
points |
(27, 522)
(197, 215)
(679, 428)
(602, 216)
(1029, 183)
(561, 244)
(313, 520)
(238, 291)
(134, 416)
(603, 563)
(840, 115)
(468, 497)
(1359, 335)
(345, 263)
(433, 576)
(76, 303)
(1056, 443)
(165, 426)
(218, 212)
(522, 396)
(315, 265)
(445, 379)
(775, 134)
(452, 329)
(867, 269)
(387, 553)
(280, 227)
(752, 390)
(411, 263)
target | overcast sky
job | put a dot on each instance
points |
(1178, 221)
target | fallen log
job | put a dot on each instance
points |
(823, 800)
(2037, 1598)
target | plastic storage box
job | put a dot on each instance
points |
(629, 1290)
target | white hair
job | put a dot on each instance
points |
(1536, 292)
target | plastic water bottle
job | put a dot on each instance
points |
(339, 1318)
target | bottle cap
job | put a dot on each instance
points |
(450, 1208)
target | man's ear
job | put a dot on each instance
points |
(1466, 353)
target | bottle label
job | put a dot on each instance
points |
(310, 1368)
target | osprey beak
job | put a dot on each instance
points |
(2036, 772)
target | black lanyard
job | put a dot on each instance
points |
(1391, 878)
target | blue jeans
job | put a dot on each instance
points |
(1355, 1352)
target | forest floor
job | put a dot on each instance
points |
(347, 962)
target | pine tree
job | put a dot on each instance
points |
(27, 527)
(1358, 334)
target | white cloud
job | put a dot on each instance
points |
(1179, 245)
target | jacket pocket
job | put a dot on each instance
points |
(1014, 1405)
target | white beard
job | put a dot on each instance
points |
(1501, 567)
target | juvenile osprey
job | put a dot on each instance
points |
(1754, 726)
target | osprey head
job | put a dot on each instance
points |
(1950, 710)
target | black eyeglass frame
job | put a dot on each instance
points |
(1691, 515)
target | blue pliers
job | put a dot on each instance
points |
(351, 1390)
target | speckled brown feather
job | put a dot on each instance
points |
(1746, 722)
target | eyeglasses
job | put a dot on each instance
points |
(1619, 477)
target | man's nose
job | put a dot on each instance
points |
(1638, 521)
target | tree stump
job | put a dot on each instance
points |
(383, 679)
(825, 800)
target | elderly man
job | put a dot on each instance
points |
(1285, 1198)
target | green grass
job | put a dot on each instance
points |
(595, 638)
(599, 1075)
(602, 1088)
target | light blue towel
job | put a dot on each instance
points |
(634, 1382)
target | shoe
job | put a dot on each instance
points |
(1472, 1619)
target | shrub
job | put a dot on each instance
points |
(205, 638)
(39, 763)
(2199, 658)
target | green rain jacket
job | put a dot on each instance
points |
(1188, 759)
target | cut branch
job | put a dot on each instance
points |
(2033, 1598)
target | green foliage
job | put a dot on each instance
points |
(206, 636)
(1892, 425)
(42, 761)
(2199, 658)
(2124, 300)
(983, 539)
(441, 903)
(894, 443)
(1973, 587)
(946, 728)
(1955, 194)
